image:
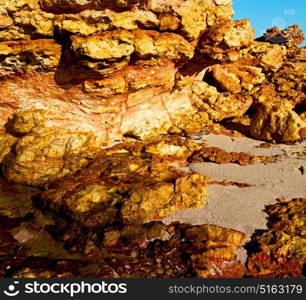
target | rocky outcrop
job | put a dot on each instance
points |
(20, 57)
(43, 156)
(116, 73)
(27, 19)
(277, 122)
(235, 78)
(112, 70)
(96, 96)
(151, 251)
(143, 182)
(281, 249)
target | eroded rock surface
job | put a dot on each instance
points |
(43, 156)
(77, 77)
(112, 65)
(134, 183)
(277, 122)
(282, 248)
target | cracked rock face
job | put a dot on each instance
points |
(282, 248)
(42, 156)
(104, 67)
(277, 122)
(126, 182)
(99, 99)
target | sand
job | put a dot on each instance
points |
(242, 208)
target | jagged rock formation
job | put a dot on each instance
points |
(130, 182)
(112, 64)
(77, 76)
(153, 250)
(282, 248)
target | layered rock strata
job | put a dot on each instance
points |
(104, 67)
(78, 76)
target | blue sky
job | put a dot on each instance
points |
(268, 13)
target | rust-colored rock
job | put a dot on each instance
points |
(282, 248)
(274, 122)
(44, 155)
(219, 156)
(110, 114)
(153, 250)
(24, 56)
(232, 78)
(137, 177)
(94, 97)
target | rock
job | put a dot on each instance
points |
(168, 22)
(102, 80)
(26, 21)
(94, 96)
(274, 122)
(153, 250)
(144, 184)
(219, 156)
(19, 57)
(220, 259)
(119, 44)
(58, 6)
(232, 78)
(88, 22)
(167, 45)
(269, 57)
(157, 106)
(107, 45)
(53, 157)
(289, 81)
(232, 41)
(6, 142)
(303, 116)
(291, 37)
(229, 34)
(149, 203)
(44, 155)
(281, 249)
(191, 17)
(218, 106)
(23, 122)
(11, 252)
(5, 21)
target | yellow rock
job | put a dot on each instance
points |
(44, 55)
(235, 78)
(162, 199)
(277, 122)
(43, 156)
(6, 142)
(107, 45)
(229, 34)
(23, 122)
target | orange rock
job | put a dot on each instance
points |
(235, 78)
